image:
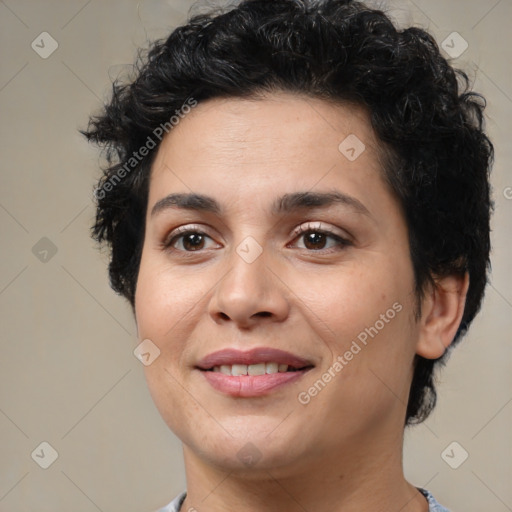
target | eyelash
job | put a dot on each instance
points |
(342, 242)
(179, 233)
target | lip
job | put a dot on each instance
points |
(232, 356)
(248, 386)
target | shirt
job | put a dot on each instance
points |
(175, 504)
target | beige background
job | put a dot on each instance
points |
(68, 374)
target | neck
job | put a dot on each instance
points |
(366, 476)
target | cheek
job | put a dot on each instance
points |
(163, 308)
(162, 303)
(364, 316)
(163, 299)
(349, 300)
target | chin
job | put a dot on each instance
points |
(242, 443)
(247, 459)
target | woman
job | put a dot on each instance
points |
(297, 206)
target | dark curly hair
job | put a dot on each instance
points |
(431, 126)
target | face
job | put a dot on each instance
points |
(284, 256)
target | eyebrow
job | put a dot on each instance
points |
(287, 203)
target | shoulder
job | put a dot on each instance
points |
(175, 504)
(433, 505)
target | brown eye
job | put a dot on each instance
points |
(193, 241)
(188, 241)
(316, 239)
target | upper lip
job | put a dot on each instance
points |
(230, 356)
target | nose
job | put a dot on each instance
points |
(249, 293)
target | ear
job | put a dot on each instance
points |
(442, 310)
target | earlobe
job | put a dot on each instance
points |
(442, 310)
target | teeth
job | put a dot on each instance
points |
(251, 369)
(225, 369)
(256, 369)
(238, 369)
(271, 368)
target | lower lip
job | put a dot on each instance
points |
(247, 386)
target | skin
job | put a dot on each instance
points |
(342, 451)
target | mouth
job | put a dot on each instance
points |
(252, 373)
(263, 368)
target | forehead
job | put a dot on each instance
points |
(242, 148)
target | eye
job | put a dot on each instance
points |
(315, 238)
(189, 239)
(186, 239)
